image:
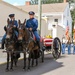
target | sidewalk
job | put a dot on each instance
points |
(3, 57)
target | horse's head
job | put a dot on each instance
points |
(21, 30)
(9, 42)
(9, 29)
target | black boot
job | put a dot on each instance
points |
(2, 45)
(38, 43)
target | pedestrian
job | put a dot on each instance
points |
(74, 46)
(63, 45)
(74, 49)
(74, 40)
(69, 45)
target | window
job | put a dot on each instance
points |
(55, 20)
(68, 12)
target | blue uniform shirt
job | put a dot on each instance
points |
(15, 23)
(32, 23)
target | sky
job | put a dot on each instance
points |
(16, 2)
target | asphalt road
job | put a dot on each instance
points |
(65, 65)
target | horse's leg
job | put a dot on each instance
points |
(11, 67)
(7, 68)
(24, 60)
(33, 59)
(29, 59)
(15, 59)
(37, 57)
(32, 62)
(36, 61)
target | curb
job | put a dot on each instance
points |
(9, 61)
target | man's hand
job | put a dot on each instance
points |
(14, 26)
(30, 29)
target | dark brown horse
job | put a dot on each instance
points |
(10, 43)
(28, 44)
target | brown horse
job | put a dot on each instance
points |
(28, 44)
(10, 43)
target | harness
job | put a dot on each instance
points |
(12, 39)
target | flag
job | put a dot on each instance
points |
(67, 28)
(67, 31)
(74, 32)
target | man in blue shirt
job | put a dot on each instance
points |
(32, 25)
(12, 18)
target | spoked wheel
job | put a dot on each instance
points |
(56, 48)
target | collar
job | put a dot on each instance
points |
(31, 18)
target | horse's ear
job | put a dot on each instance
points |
(24, 22)
(8, 21)
(19, 22)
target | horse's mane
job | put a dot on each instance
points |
(27, 34)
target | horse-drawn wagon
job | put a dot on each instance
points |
(26, 44)
(53, 46)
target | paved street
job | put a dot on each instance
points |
(65, 65)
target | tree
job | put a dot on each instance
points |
(46, 1)
(50, 1)
(73, 19)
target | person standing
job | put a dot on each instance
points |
(68, 40)
(74, 40)
(69, 45)
(63, 45)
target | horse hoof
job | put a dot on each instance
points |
(15, 65)
(11, 69)
(28, 68)
(6, 70)
(32, 65)
(24, 68)
(36, 64)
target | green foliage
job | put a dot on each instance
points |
(73, 19)
(46, 1)
(51, 1)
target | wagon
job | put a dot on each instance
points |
(53, 46)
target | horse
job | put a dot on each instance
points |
(29, 45)
(21, 42)
(10, 43)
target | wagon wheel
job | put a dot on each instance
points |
(56, 48)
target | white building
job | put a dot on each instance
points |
(57, 17)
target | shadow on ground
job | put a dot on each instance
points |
(49, 65)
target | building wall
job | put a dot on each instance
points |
(44, 28)
(67, 18)
(60, 32)
(51, 23)
(51, 20)
(62, 22)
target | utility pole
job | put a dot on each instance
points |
(39, 14)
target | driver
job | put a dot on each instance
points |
(32, 25)
(12, 18)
